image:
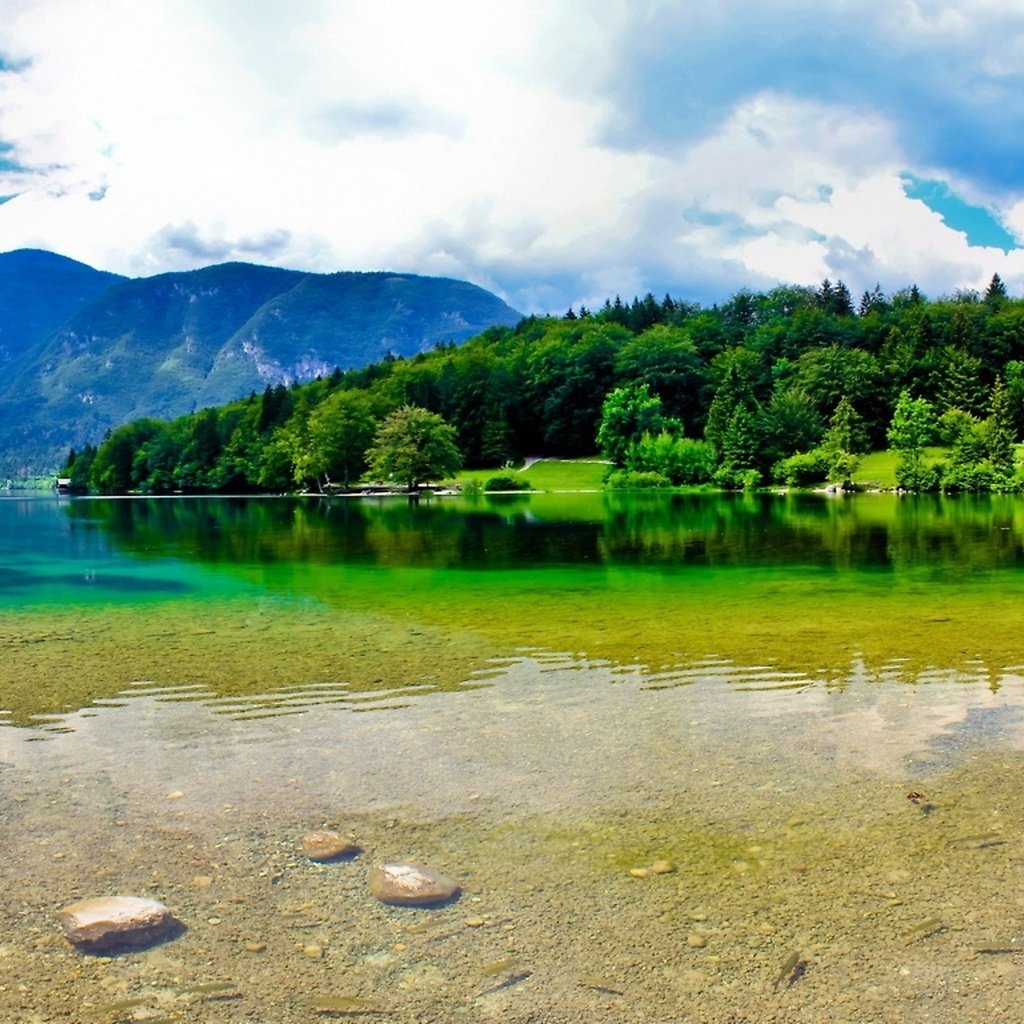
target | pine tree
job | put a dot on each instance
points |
(1000, 434)
(995, 293)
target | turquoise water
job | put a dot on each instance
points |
(665, 743)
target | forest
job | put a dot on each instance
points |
(790, 386)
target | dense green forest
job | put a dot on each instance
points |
(791, 385)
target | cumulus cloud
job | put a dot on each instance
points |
(555, 153)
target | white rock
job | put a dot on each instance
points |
(114, 920)
(410, 884)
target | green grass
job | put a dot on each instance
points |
(566, 474)
(878, 470)
(547, 475)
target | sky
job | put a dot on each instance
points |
(557, 152)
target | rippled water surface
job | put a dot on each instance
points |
(665, 744)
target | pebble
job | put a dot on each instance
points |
(114, 920)
(410, 884)
(639, 872)
(696, 941)
(313, 951)
(323, 846)
(255, 947)
(662, 867)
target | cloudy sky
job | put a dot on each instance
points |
(555, 151)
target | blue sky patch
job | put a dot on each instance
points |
(6, 163)
(977, 223)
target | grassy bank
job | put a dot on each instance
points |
(546, 475)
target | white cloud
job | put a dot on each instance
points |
(182, 118)
(458, 138)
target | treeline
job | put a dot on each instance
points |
(792, 384)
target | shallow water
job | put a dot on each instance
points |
(545, 698)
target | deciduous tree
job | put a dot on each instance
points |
(413, 446)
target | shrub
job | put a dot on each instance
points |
(507, 483)
(682, 460)
(633, 479)
(737, 479)
(913, 474)
(969, 476)
(804, 468)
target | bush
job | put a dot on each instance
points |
(804, 468)
(681, 460)
(737, 479)
(969, 476)
(913, 474)
(507, 483)
(635, 479)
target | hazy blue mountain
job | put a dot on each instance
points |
(105, 349)
(38, 292)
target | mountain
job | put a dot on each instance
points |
(38, 292)
(85, 351)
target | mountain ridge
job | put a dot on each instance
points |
(126, 348)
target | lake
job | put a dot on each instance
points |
(690, 757)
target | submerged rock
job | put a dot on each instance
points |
(321, 846)
(413, 885)
(110, 921)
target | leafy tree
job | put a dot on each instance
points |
(156, 467)
(969, 468)
(739, 379)
(793, 422)
(275, 472)
(112, 470)
(78, 466)
(912, 424)
(412, 446)
(200, 452)
(665, 359)
(828, 375)
(627, 414)
(909, 433)
(338, 433)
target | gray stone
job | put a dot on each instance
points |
(114, 921)
(414, 885)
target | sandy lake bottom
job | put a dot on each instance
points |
(713, 760)
(719, 844)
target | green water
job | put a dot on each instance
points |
(248, 596)
(544, 696)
